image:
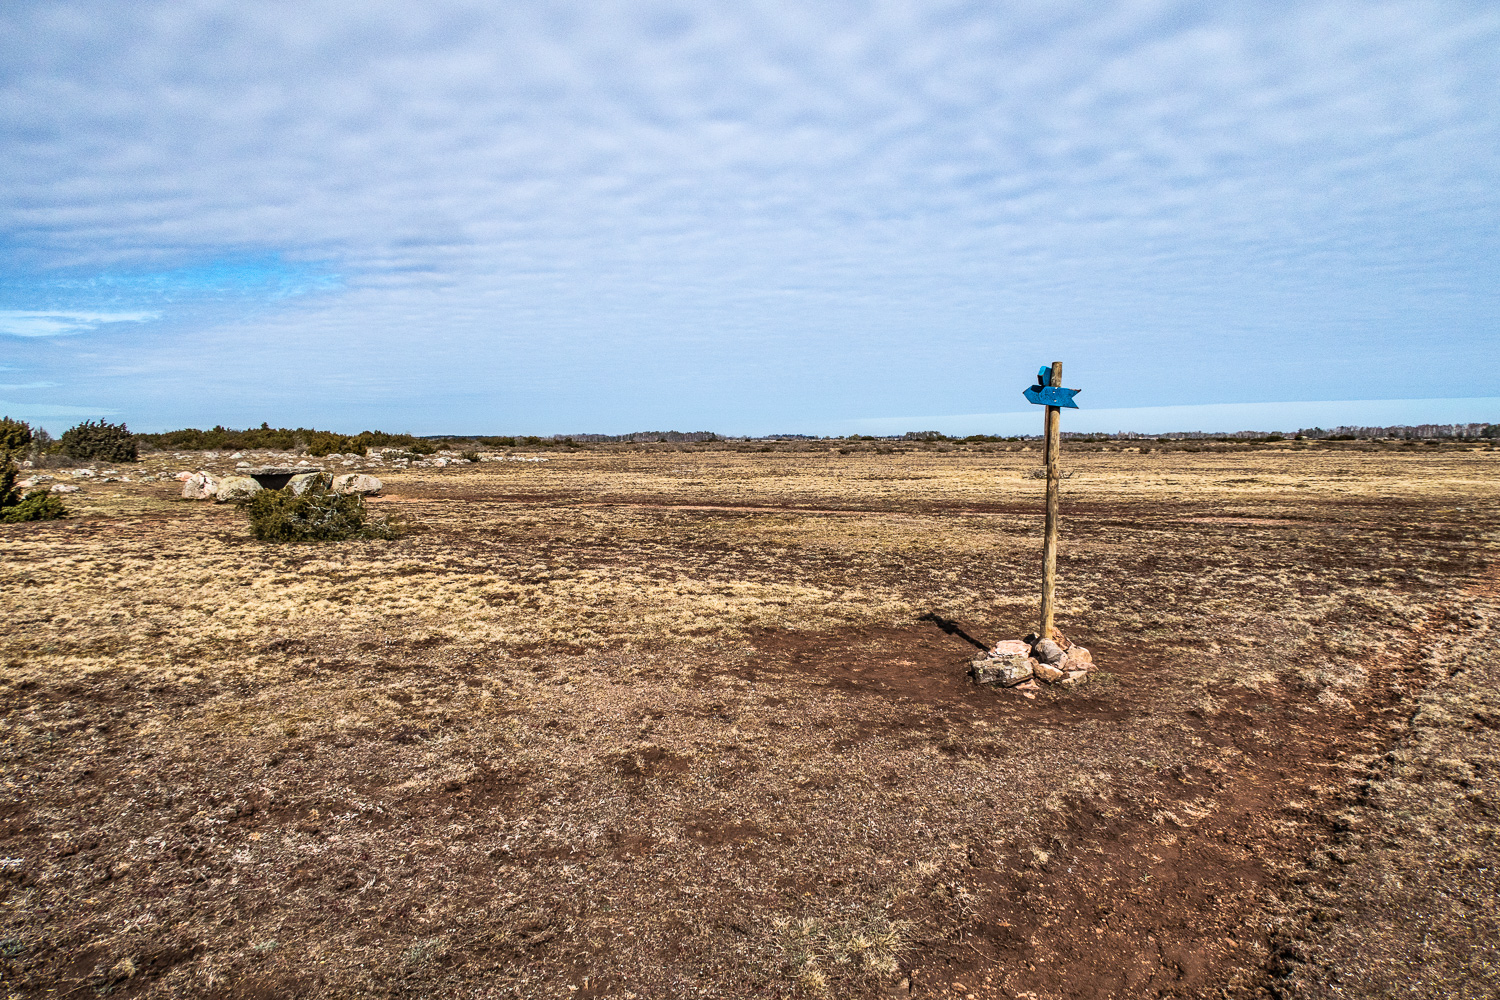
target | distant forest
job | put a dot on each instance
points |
(319, 442)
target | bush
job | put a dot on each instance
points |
(317, 515)
(37, 505)
(267, 438)
(15, 437)
(99, 440)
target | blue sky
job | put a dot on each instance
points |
(746, 217)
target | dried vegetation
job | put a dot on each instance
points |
(692, 722)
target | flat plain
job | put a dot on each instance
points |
(693, 721)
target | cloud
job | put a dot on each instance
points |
(587, 212)
(56, 417)
(23, 323)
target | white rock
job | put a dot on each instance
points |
(200, 486)
(238, 454)
(65, 488)
(299, 484)
(354, 482)
(183, 477)
(83, 473)
(237, 488)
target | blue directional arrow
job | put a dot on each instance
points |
(1043, 394)
(1052, 395)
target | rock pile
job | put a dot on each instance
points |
(1020, 664)
(205, 486)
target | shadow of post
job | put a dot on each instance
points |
(951, 627)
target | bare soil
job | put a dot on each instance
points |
(694, 722)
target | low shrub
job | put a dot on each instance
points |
(100, 441)
(37, 505)
(318, 514)
(469, 456)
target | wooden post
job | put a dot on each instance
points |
(1049, 543)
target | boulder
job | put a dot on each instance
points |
(1048, 652)
(64, 488)
(183, 477)
(1002, 671)
(300, 483)
(1047, 672)
(200, 486)
(1011, 647)
(237, 488)
(357, 482)
(83, 473)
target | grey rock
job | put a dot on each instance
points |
(1048, 652)
(65, 488)
(237, 488)
(1002, 671)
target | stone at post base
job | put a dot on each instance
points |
(1047, 672)
(1018, 665)
(1002, 671)
(1049, 651)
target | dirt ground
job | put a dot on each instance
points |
(693, 722)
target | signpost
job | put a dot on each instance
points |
(1049, 392)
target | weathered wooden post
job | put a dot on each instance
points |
(1049, 392)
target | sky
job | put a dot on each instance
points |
(748, 217)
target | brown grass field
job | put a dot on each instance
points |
(663, 722)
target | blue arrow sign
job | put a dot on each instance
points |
(1052, 395)
(1043, 394)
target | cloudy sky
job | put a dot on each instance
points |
(746, 217)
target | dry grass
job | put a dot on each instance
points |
(669, 723)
